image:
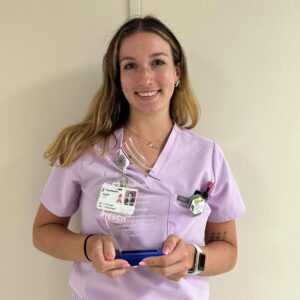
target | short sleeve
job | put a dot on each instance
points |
(62, 191)
(225, 201)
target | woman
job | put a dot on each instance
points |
(136, 137)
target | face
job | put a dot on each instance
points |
(147, 73)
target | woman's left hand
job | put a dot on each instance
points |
(178, 259)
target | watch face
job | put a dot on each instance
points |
(201, 263)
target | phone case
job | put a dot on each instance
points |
(135, 256)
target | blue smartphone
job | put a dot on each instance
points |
(135, 256)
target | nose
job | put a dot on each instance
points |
(145, 75)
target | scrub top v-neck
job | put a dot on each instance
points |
(162, 157)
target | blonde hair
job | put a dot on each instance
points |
(109, 109)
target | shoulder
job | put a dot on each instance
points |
(190, 137)
(100, 148)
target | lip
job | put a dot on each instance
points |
(147, 95)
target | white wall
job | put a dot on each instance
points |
(50, 58)
(244, 59)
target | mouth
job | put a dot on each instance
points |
(148, 94)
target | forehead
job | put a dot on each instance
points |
(143, 43)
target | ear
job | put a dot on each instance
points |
(178, 71)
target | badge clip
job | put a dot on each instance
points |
(122, 163)
(196, 203)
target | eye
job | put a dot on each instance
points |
(158, 62)
(129, 66)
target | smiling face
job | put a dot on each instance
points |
(147, 73)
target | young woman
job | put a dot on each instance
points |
(136, 138)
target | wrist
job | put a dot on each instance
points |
(199, 261)
(191, 255)
(87, 246)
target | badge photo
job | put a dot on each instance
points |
(117, 199)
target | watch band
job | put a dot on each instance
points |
(198, 256)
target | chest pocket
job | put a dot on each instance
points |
(184, 224)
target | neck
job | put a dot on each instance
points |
(150, 127)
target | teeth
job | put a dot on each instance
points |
(147, 94)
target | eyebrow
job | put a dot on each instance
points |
(152, 55)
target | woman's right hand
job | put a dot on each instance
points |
(101, 251)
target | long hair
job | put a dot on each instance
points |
(109, 110)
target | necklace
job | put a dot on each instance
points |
(149, 143)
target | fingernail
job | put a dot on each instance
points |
(166, 250)
(126, 265)
(142, 263)
(109, 257)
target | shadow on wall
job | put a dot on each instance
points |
(57, 103)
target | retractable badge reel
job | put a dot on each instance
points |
(122, 162)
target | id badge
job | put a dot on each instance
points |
(117, 199)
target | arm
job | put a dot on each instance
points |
(50, 232)
(221, 253)
(221, 248)
(52, 236)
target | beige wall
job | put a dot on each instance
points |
(244, 59)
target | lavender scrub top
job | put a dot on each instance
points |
(187, 163)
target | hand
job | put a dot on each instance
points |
(178, 259)
(101, 251)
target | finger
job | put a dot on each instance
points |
(170, 243)
(106, 266)
(168, 247)
(104, 247)
(115, 273)
(119, 263)
(178, 254)
(180, 268)
(108, 248)
(97, 250)
(156, 261)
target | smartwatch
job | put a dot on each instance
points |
(199, 261)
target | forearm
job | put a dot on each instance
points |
(221, 257)
(58, 241)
